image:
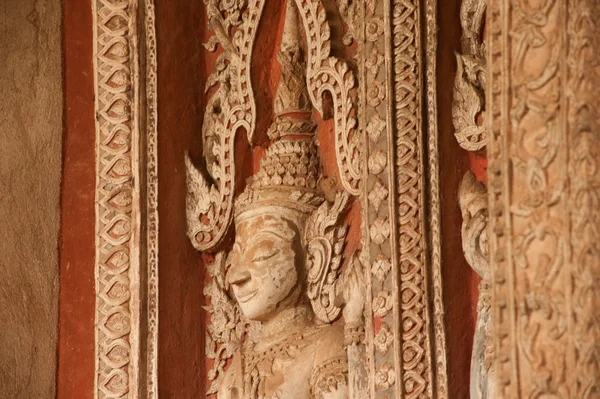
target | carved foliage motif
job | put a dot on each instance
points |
(470, 81)
(230, 108)
(331, 74)
(473, 201)
(116, 198)
(544, 119)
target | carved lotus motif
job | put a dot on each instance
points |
(118, 80)
(118, 111)
(412, 324)
(380, 230)
(385, 377)
(377, 162)
(119, 139)
(116, 292)
(118, 231)
(118, 262)
(118, 51)
(116, 22)
(120, 169)
(375, 93)
(375, 128)
(117, 323)
(122, 198)
(382, 303)
(116, 384)
(381, 267)
(117, 355)
(378, 194)
(384, 338)
(374, 29)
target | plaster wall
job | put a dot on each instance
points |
(31, 108)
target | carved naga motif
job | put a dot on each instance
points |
(230, 108)
(470, 81)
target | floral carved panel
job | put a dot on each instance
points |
(543, 143)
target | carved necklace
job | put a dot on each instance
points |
(258, 363)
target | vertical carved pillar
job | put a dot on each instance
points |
(544, 192)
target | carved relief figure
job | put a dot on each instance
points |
(276, 294)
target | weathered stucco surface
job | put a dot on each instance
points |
(30, 169)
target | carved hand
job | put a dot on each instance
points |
(353, 292)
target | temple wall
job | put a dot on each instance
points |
(31, 121)
(183, 67)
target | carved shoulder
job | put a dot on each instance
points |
(330, 374)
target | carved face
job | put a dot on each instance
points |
(264, 265)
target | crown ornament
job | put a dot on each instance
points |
(290, 173)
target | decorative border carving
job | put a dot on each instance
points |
(544, 183)
(126, 200)
(151, 170)
(401, 200)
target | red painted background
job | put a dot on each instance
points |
(77, 299)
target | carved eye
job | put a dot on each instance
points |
(262, 256)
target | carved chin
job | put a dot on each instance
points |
(257, 308)
(260, 307)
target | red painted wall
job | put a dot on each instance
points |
(77, 298)
(180, 30)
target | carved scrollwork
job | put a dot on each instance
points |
(230, 108)
(325, 241)
(225, 328)
(470, 81)
(544, 212)
(473, 201)
(326, 73)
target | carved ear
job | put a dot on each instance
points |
(325, 242)
(319, 293)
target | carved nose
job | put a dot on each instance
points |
(237, 276)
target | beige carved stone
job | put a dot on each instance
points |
(283, 270)
(544, 189)
(126, 200)
(470, 131)
(473, 201)
(470, 81)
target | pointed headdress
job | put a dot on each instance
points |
(289, 174)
